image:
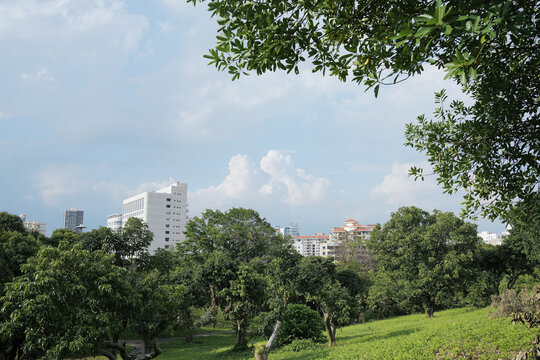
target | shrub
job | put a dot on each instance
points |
(512, 302)
(300, 322)
(301, 345)
(367, 316)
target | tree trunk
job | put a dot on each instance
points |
(431, 308)
(273, 337)
(214, 305)
(156, 350)
(241, 339)
(330, 329)
(189, 337)
(147, 344)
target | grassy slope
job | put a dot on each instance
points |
(452, 334)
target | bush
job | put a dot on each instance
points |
(301, 345)
(512, 302)
(300, 322)
(367, 316)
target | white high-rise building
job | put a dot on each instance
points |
(165, 212)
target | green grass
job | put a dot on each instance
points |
(221, 325)
(453, 334)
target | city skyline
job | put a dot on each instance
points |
(101, 101)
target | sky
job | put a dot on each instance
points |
(103, 99)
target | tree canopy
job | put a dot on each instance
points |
(491, 149)
(433, 253)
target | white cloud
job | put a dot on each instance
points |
(62, 20)
(152, 186)
(122, 191)
(279, 183)
(301, 188)
(398, 188)
(58, 182)
(41, 74)
(4, 116)
(235, 185)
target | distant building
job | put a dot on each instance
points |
(165, 212)
(33, 225)
(291, 230)
(114, 222)
(311, 245)
(73, 220)
(351, 226)
(491, 238)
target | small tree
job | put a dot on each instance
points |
(317, 282)
(244, 298)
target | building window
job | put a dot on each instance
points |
(168, 199)
(167, 213)
(166, 232)
(166, 239)
(168, 206)
(166, 246)
(166, 225)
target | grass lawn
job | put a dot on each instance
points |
(452, 334)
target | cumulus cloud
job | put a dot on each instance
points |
(275, 181)
(300, 187)
(398, 188)
(235, 185)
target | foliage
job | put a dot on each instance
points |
(229, 252)
(102, 238)
(389, 295)
(431, 253)
(15, 249)
(513, 302)
(491, 148)
(352, 250)
(134, 240)
(300, 323)
(72, 299)
(530, 316)
(318, 284)
(9, 222)
(60, 235)
(302, 345)
(161, 305)
(521, 250)
(245, 297)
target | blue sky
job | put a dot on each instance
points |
(103, 99)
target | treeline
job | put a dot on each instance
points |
(75, 294)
